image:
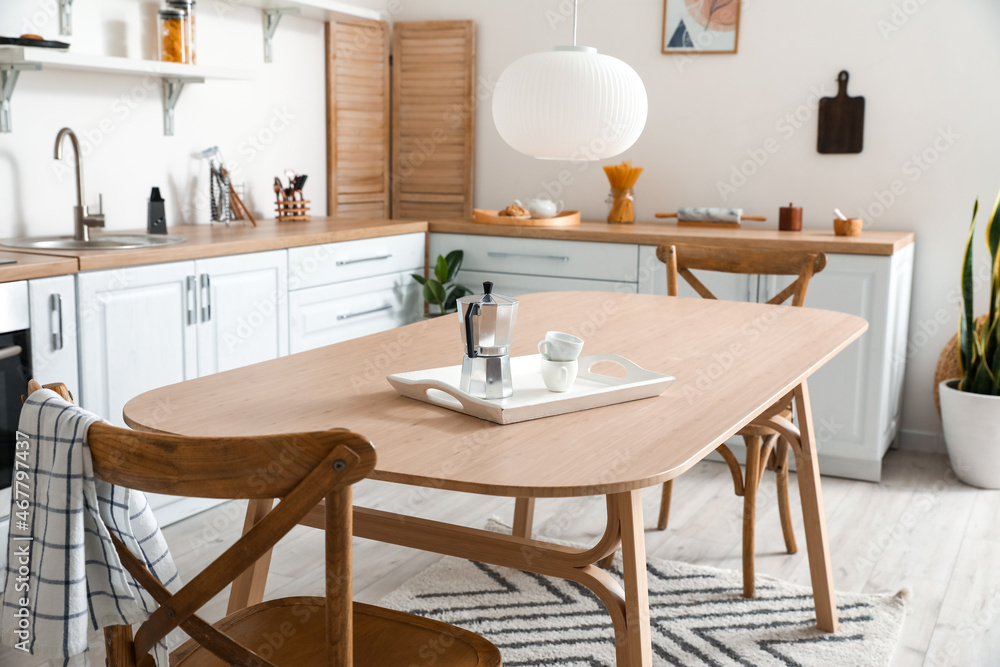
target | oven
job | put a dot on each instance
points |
(15, 371)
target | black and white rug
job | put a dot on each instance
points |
(698, 617)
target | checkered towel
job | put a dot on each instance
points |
(63, 577)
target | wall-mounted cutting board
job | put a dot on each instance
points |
(841, 121)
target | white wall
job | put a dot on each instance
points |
(262, 126)
(933, 76)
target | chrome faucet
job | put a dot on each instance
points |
(82, 220)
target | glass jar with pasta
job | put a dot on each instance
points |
(173, 35)
(188, 7)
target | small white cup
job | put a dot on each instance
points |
(559, 346)
(559, 376)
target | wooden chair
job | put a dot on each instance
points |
(325, 631)
(764, 446)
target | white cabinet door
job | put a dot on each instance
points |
(725, 286)
(515, 285)
(242, 310)
(54, 342)
(333, 313)
(138, 331)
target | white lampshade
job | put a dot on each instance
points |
(570, 104)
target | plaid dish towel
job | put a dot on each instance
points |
(63, 577)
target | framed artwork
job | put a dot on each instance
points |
(701, 26)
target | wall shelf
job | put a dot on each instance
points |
(174, 76)
(314, 10)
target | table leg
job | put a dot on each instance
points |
(638, 639)
(807, 466)
(628, 606)
(248, 588)
(524, 517)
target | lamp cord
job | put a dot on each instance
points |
(576, 4)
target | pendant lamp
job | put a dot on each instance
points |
(571, 103)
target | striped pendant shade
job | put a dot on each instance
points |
(570, 104)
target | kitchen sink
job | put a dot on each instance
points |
(102, 242)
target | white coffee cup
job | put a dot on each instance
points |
(559, 346)
(559, 376)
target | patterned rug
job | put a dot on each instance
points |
(698, 617)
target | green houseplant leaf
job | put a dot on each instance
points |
(967, 323)
(441, 290)
(454, 260)
(441, 270)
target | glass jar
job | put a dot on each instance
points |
(188, 7)
(621, 205)
(173, 35)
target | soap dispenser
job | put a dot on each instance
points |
(156, 214)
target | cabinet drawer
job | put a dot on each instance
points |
(334, 313)
(513, 285)
(350, 260)
(616, 262)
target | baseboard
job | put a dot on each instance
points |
(922, 441)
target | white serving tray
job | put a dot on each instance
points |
(531, 400)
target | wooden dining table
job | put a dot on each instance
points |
(734, 364)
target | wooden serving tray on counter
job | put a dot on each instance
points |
(531, 400)
(564, 219)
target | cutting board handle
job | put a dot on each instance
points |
(842, 83)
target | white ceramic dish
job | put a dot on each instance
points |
(531, 400)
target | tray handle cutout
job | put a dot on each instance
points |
(595, 360)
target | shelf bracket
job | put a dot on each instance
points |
(271, 19)
(65, 17)
(8, 80)
(172, 89)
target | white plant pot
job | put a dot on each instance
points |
(972, 435)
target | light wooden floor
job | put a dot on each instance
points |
(919, 528)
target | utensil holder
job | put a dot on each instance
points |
(292, 210)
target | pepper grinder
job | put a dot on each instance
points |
(790, 218)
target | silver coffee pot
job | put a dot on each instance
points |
(487, 323)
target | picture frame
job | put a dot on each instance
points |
(701, 26)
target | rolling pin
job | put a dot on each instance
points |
(713, 215)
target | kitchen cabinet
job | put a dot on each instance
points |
(138, 331)
(242, 310)
(856, 397)
(340, 291)
(149, 326)
(541, 264)
(54, 353)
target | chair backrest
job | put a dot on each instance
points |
(300, 468)
(681, 259)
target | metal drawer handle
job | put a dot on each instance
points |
(556, 258)
(8, 352)
(345, 262)
(192, 316)
(55, 307)
(364, 312)
(206, 293)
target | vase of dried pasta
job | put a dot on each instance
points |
(621, 205)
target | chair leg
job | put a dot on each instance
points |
(784, 508)
(668, 490)
(118, 646)
(753, 444)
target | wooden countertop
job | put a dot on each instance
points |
(30, 266)
(874, 242)
(218, 240)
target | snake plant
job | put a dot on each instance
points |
(979, 345)
(441, 290)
